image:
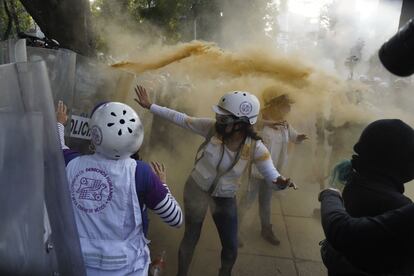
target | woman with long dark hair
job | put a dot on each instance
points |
(230, 145)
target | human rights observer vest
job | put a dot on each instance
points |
(108, 215)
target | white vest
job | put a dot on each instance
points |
(108, 215)
(204, 171)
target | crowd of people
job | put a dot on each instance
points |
(111, 190)
(367, 225)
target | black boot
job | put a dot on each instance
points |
(269, 236)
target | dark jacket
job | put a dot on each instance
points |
(364, 196)
(379, 245)
(383, 162)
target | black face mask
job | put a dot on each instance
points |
(223, 121)
(386, 149)
(221, 130)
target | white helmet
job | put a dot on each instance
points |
(116, 130)
(240, 104)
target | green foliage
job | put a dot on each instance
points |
(24, 20)
(173, 20)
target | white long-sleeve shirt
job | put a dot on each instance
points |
(202, 126)
(277, 142)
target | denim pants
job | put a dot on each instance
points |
(224, 212)
(257, 186)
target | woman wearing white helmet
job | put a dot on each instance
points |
(231, 143)
(110, 191)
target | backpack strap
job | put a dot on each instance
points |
(236, 159)
(142, 176)
(210, 134)
(251, 161)
(220, 174)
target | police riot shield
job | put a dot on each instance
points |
(94, 83)
(21, 199)
(61, 66)
(82, 83)
(38, 234)
(13, 50)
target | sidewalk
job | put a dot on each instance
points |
(294, 223)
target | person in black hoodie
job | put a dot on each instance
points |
(380, 245)
(382, 164)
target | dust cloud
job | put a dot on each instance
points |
(333, 101)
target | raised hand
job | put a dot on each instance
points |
(302, 137)
(142, 97)
(160, 170)
(61, 113)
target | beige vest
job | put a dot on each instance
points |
(204, 171)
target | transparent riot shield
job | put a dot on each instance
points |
(33, 180)
(61, 66)
(13, 50)
(21, 199)
(81, 83)
(94, 83)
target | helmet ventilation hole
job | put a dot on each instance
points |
(124, 112)
(120, 132)
(244, 94)
(224, 100)
(132, 120)
(122, 121)
(110, 124)
(130, 130)
(113, 114)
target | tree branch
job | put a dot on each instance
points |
(9, 22)
(14, 16)
(66, 21)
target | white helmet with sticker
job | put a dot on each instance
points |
(240, 104)
(116, 130)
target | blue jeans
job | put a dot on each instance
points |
(224, 212)
(257, 186)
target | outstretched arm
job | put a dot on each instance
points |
(264, 164)
(62, 118)
(199, 126)
(387, 237)
(296, 137)
(349, 234)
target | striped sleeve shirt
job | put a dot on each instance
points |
(159, 199)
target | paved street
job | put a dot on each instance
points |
(295, 225)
